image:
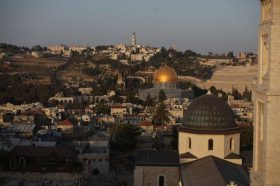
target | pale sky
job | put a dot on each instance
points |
(200, 25)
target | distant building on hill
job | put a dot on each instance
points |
(133, 39)
(165, 78)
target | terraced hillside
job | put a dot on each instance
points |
(227, 77)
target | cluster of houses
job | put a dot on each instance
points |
(121, 52)
(64, 50)
(242, 109)
(39, 140)
(126, 53)
(66, 143)
(244, 58)
(69, 140)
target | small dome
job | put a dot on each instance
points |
(208, 112)
(165, 74)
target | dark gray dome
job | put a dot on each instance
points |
(208, 112)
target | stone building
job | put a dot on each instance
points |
(209, 139)
(266, 96)
(45, 159)
(95, 155)
(153, 167)
(119, 110)
(209, 129)
(241, 55)
(121, 81)
(165, 78)
(211, 170)
(66, 126)
(209, 147)
(133, 39)
(41, 165)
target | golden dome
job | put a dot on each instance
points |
(165, 74)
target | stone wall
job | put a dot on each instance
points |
(149, 175)
(199, 144)
(228, 77)
(35, 177)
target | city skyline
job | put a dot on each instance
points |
(199, 26)
(100, 103)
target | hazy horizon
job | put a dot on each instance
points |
(219, 26)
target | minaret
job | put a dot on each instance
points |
(266, 96)
(133, 39)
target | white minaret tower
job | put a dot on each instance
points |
(266, 96)
(133, 39)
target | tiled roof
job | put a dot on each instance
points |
(151, 157)
(65, 122)
(33, 112)
(233, 156)
(188, 155)
(211, 170)
(247, 156)
(43, 151)
(209, 112)
(145, 123)
(118, 106)
(21, 128)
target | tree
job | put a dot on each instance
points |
(126, 136)
(100, 48)
(149, 101)
(102, 108)
(184, 85)
(198, 91)
(246, 135)
(236, 94)
(161, 96)
(37, 48)
(189, 53)
(247, 95)
(174, 142)
(116, 99)
(133, 99)
(230, 55)
(213, 90)
(164, 52)
(161, 115)
(91, 71)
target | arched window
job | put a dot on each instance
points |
(231, 144)
(21, 162)
(161, 181)
(189, 143)
(95, 172)
(210, 144)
